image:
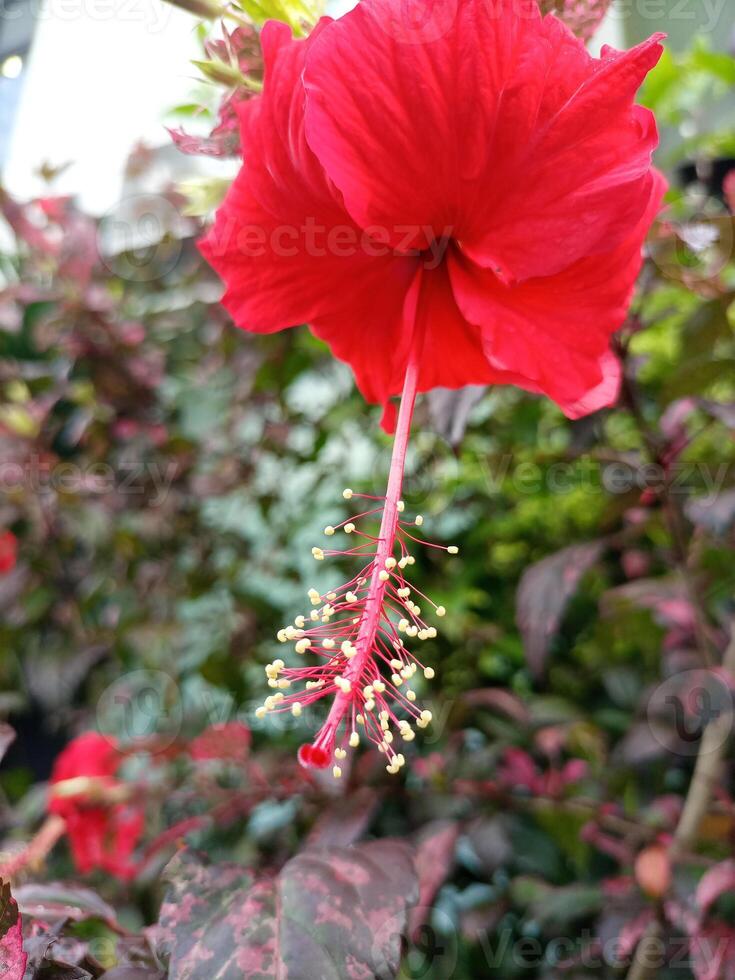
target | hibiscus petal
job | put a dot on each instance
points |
(501, 129)
(554, 331)
(282, 241)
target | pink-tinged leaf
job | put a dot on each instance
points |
(338, 913)
(7, 737)
(434, 861)
(12, 958)
(582, 17)
(345, 820)
(728, 188)
(715, 882)
(666, 598)
(712, 953)
(53, 902)
(227, 743)
(543, 594)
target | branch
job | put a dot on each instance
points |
(707, 772)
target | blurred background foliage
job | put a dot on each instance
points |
(165, 476)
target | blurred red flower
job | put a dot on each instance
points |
(103, 834)
(8, 552)
(474, 163)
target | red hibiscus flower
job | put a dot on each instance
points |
(8, 552)
(468, 167)
(102, 834)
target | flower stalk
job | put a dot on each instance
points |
(357, 631)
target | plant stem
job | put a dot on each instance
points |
(707, 770)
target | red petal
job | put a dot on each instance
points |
(552, 334)
(498, 126)
(282, 241)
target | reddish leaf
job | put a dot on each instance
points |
(583, 17)
(434, 860)
(338, 913)
(712, 953)
(714, 883)
(12, 958)
(7, 737)
(450, 410)
(344, 821)
(543, 594)
(228, 742)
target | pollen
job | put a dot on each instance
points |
(329, 530)
(347, 493)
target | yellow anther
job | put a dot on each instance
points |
(360, 719)
(400, 506)
(354, 740)
(390, 563)
(329, 530)
(383, 575)
(282, 636)
(261, 712)
(402, 625)
(300, 622)
(296, 709)
(349, 528)
(328, 644)
(336, 772)
(350, 597)
(453, 549)
(378, 687)
(368, 706)
(284, 683)
(339, 753)
(397, 680)
(388, 737)
(404, 593)
(429, 673)
(314, 616)
(347, 493)
(411, 695)
(303, 645)
(440, 611)
(367, 691)
(318, 554)
(419, 520)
